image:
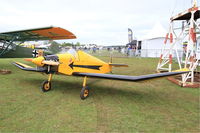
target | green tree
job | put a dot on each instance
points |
(78, 44)
(54, 48)
(66, 44)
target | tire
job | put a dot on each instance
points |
(46, 86)
(84, 93)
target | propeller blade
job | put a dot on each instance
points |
(28, 59)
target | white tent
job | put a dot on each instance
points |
(153, 41)
(156, 32)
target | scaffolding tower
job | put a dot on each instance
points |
(188, 35)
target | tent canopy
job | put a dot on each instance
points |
(158, 31)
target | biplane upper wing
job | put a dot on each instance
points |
(129, 78)
(45, 33)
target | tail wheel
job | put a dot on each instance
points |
(84, 93)
(46, 86)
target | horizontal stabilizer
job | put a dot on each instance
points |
(28, 68)
(129, 78)
(118, 65)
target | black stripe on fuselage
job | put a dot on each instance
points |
(85, 66)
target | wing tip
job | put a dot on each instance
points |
(182, 70)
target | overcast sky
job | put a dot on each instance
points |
(103, 22)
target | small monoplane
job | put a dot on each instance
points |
(79, 63)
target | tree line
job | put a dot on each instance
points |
(55, 47)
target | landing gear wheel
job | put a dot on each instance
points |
(46, 86)
(84, 93)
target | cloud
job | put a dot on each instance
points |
(93, 21)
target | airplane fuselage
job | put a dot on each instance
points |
(68, 63)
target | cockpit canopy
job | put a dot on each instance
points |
(73, 52)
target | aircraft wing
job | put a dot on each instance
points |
(28, 68)
(45, 33)
(129, 78)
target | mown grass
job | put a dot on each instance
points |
(113, 106)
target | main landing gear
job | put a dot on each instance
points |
(85, 90)
(46, 85)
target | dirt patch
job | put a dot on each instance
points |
(4, 71)
(178, 80)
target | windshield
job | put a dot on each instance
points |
(73, 52)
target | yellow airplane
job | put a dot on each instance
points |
(79, 63)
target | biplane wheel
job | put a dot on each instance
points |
(46, 86)
(84, 93)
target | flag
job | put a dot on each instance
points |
(130, 35)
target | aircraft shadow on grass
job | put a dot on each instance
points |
(64, 86)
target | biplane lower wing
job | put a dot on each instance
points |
(28, 68)
(129, 78)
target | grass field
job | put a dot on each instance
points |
(113, 106)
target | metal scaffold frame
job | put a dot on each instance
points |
(189, 33)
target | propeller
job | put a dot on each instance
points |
(40, 61)
(28, 59)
